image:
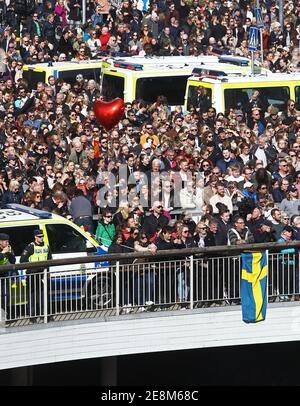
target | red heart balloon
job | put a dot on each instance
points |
(109, 113)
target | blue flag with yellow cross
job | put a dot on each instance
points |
(254, 286)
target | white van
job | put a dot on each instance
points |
(234, 91)
(66, 71)
(146, 78)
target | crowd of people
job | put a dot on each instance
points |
(203, 165)
(54, 30)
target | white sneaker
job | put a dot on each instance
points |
(149, 303)
(127, 308)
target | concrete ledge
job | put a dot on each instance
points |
(143, 333)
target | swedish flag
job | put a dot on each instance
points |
(254, 286)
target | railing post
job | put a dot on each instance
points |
(268, 271)
(191, 282)
(118, 288)
(45, 298)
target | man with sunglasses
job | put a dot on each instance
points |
(148, 136)
(36, 251)
(283, 172)
(155, 221)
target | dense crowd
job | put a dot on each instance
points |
(160, 179)
(54, 31)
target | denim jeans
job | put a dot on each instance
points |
(182, 286)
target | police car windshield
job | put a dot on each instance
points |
(173, 87)
(33, 77)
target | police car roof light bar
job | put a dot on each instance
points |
(233, 60)
(34, 212)
(130, 66)
(208, 73)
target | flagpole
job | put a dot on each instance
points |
(267, 283)
(259, 25)
(261, 46)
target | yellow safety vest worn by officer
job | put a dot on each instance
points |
(40, 253)
(4, 261)
(16, 297)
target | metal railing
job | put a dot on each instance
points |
(138, 282)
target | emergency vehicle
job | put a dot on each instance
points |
(146, 78)
(67, 71)
(66, 240)
(226, 91)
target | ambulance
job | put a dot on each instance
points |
(226, 91)
(65, 240)
(146, 78)
(67, 71)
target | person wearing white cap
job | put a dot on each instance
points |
(249, 192)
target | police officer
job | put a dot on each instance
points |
(35, 252)
(6, 257)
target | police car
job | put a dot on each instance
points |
(66, 240)
(226, 91)
(145, 78)
(67, 71)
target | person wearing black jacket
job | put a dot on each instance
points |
(223, 227)
(65, 45)
(164, 242)
(184, 240)
(155, 220)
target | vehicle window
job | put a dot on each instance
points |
(193, 101)
(277, 96)
(69, 76)
(33, 78)
(65, 239)
(297, 97)
(112, 87)
(19, 237)
(173, 87)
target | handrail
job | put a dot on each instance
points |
(224, 249)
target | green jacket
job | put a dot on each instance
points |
(105, 233)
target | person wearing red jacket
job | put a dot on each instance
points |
(104, 38)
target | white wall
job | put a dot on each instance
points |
(141, 333)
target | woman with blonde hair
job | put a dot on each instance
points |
(13, 194)
(122, 214)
